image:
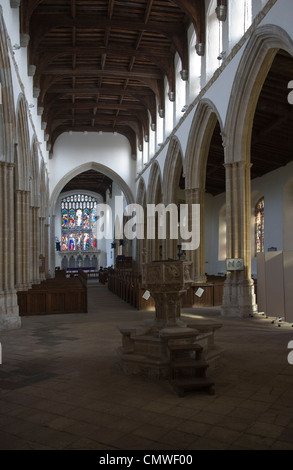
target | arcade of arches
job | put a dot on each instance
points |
(197, 115)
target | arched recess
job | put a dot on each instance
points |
(141, 244)
(90, 166)
(173, 191)
(7, 111)
(205, 121)
(23, 181)
(23, 152)
(54, 210)
(154, 196)
(9, 312)
(264, 44)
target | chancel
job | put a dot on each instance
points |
(146, 249)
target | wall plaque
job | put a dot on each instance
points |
(234, 264)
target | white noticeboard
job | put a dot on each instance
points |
(146, 295)
(199, 292)
(235, 264)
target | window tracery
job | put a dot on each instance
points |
(78, 223)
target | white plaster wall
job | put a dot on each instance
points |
(212, 209)
(71, 151)
(272, 187)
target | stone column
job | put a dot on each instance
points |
(22, 239)
(196, 196)
(239, 297)
(36, 245)
(9, 312)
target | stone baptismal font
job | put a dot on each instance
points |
(166, 347)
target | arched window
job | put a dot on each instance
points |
(78, 223)
(259, 226)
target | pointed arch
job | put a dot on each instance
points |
(201, 132)
(199, 139)
(255, 64)
(7, 114)
(155, 187)
(23, 154)
(252, 71)
(154, 196)
(90, 166)
(173, 169)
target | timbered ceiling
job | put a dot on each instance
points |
(100, 65)
(90, 180)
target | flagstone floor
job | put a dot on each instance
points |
(62, 387)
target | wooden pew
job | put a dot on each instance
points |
(54, 296)
(128, 286)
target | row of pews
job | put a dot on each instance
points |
(54, 296)
(128, 286)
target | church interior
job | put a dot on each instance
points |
(116, 334)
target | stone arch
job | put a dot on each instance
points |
(254, 66)
(173, 171)
(155, 186)
(90, 166)
(9, 312)
(252, 71)
(7, 115)
(201, 132)
(154, 196)
(23, 153)
(141, 192)
(53, 209)
(23, 203)
(199, 139)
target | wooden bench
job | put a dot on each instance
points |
(54, 296)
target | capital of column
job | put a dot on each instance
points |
(238, 164)
(5, 164)
(194, 195)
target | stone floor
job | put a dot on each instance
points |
(61, 387)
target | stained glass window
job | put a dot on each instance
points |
(259, 226)
(78, 223)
